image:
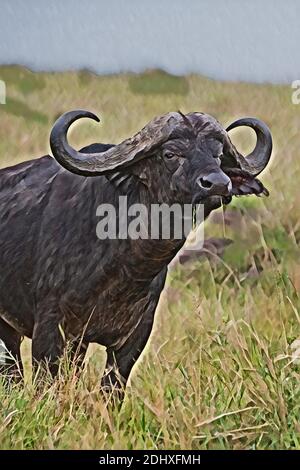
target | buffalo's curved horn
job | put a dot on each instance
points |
(122, 155)
(258, 159)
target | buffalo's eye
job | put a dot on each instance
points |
(169, 154)
(220, 155)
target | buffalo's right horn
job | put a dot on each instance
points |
(258, 159)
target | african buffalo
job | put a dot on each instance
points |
(58, 281)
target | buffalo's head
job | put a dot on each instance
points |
(191, 156)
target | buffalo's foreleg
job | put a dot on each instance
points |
(48, 340)
(121, 361)
(10, 355)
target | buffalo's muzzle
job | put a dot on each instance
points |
(215, 184)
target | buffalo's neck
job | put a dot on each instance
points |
(149, 257)
(144, 257)
(154, 250)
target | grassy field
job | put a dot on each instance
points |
(222, 369)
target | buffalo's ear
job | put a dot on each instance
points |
(244, 184)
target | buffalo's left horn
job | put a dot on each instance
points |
(258, 159)
(118, 156)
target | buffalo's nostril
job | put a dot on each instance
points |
(205, 183)
(215, 183)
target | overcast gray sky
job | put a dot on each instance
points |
(257, 40)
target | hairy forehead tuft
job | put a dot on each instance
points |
(206, 124)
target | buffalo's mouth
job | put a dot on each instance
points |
(243, 184)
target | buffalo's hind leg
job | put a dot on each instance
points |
(121, 361)
(10, 355)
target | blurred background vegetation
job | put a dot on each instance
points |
(222, 369)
